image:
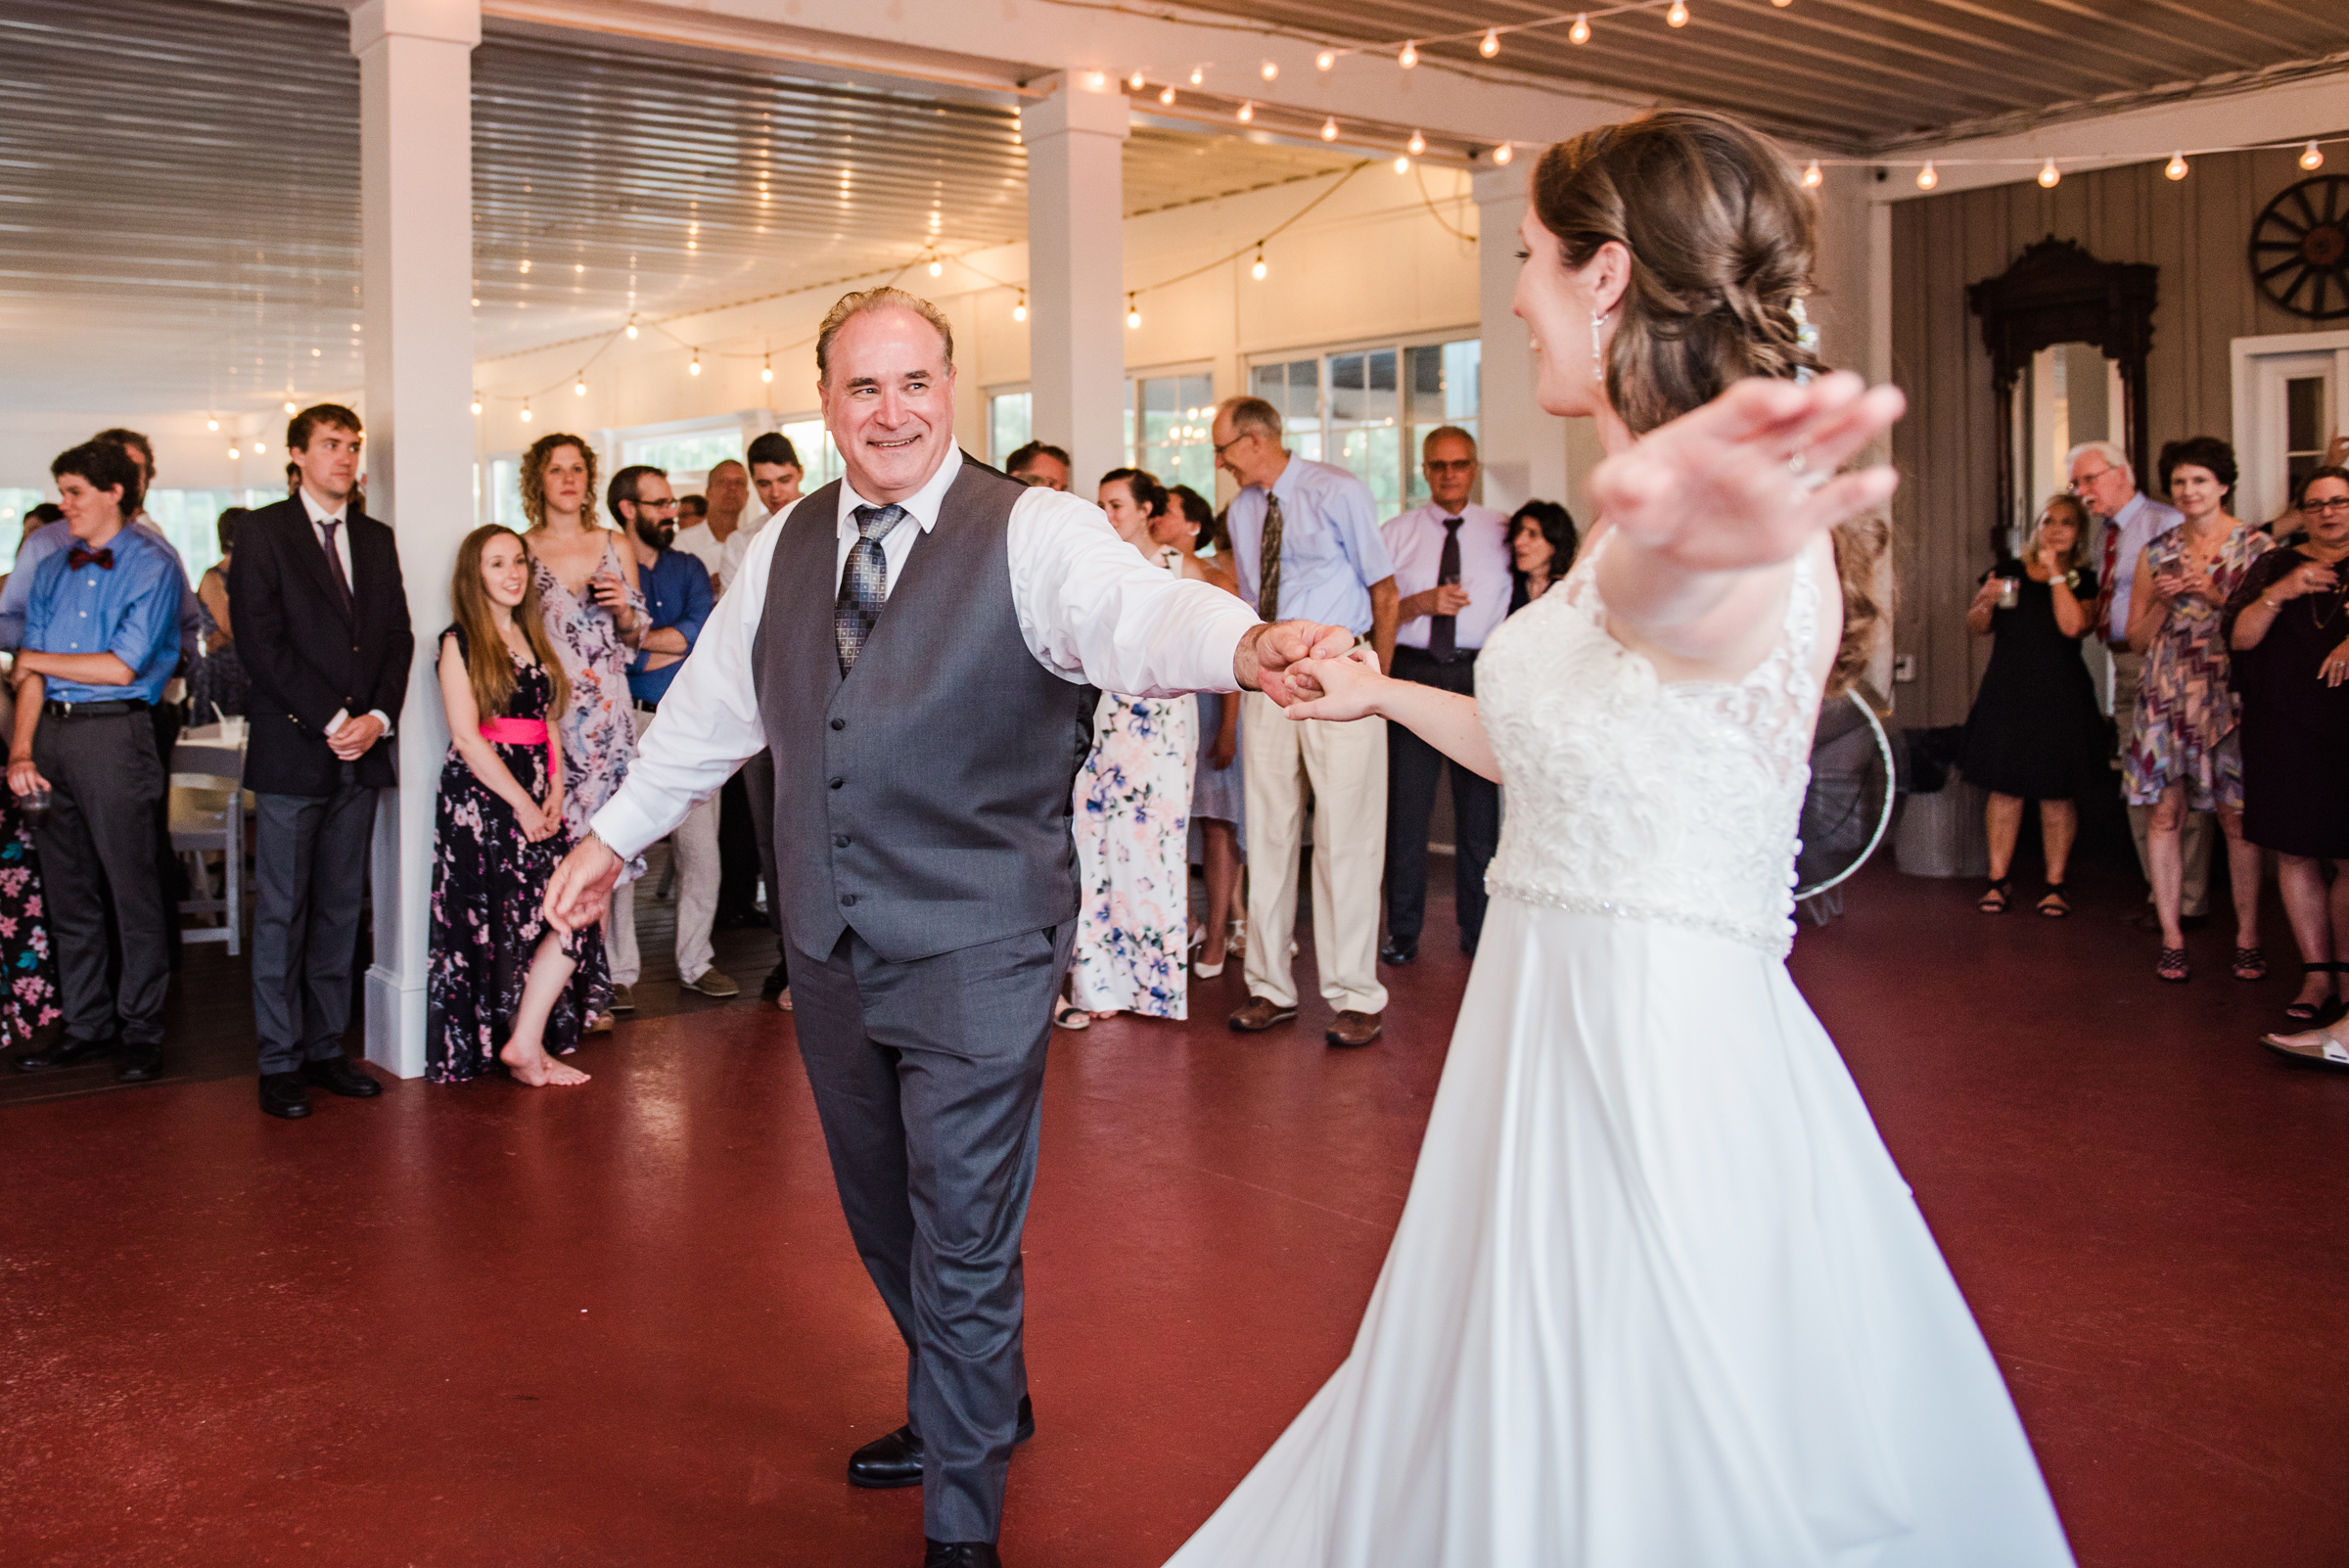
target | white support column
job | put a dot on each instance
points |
(1075, 142)
(1525, 451)
(416, 246)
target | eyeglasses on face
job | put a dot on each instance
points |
(1459, 464)
(2337, 503)
(1225, 446)
(2085, 480)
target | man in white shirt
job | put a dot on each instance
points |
(1451, 566)
(912, 645)
(727, 493)
(2128, 520)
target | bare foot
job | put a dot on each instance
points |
(1111, 1013)
(538, 1068)
(783, 998)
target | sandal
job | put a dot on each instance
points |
(2171, 966)
(2250, 964)
(1068, 1015)
(1997, 896)
(2306, 1012)
(2052, 904)
(2325, 1052)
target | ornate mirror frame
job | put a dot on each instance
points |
(2057, 293)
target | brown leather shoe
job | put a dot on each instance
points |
(1261, 1013)
(1355, 1028)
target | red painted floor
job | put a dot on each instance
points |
(623, 1324)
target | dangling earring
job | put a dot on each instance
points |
(1598, 346)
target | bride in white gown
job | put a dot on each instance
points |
(1659, 1298)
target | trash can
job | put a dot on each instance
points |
(1940, 832)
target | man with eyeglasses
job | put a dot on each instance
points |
(2131, 520)
(1452, 569)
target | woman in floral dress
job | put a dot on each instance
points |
(27, 973)
(504, 988)
(1134, 801)
(2185, 755)
(595, 615)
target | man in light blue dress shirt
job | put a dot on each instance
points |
(1305, 540)
(100, 642)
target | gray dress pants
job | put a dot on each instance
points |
(310, 876)
(929, 1079)
(98, 848)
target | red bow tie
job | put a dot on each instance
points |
(76, 558)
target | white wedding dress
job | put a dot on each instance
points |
(1659, 1298)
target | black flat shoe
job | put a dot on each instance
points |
(284, 1094)
(68, 1053)
(338, 1075)
(1390, 953)
(896, 1461)
(959, 1555)
(141, 1066)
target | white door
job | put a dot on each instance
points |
(2288, 405)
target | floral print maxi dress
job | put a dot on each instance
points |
(488, 885)
(27, 973)
(599, 728)
(2187, 708)
(1132, 825)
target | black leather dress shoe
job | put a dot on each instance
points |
(959, 1555)
(340, 1075)
(141, 1064)
(1393, 952)
(66, 1053)
(285, 1094)
(896, 1461)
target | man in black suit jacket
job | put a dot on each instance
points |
(322, 622)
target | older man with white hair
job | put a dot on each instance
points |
(2130, 520)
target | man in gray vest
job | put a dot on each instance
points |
(912, 644)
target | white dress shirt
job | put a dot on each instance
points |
(696, 541)
(320, 516)
(1415, 539)
(1091, 609)
(2140, 521)
(737, 548)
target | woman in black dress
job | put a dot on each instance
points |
(505, 988)
(2287, 623)
(2035, 733)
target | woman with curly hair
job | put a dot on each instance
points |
(1659, 1295)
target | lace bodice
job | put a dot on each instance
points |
(1641, 798)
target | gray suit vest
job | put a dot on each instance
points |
(925, 799)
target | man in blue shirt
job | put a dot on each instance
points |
(1305, 540)
(101, 641)
(678, 599)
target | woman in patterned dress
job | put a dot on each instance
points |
(2183, 756)
(1218, 791)
(594, 611)
(1132, 823)
(504, 987)
(217, 687)
(27, 972)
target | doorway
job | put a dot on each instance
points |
(2287, 407)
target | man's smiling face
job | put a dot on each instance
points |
(888, 401)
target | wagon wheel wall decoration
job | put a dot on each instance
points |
(2300, 248)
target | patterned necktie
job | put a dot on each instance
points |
(1267, 595)
(864, 586)
(334, 564)
(1442, 631)
(2113, 557)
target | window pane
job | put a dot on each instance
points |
(819, 459)
(190, 520)
(686, 452)
(1007, 425)
(1177, 412)
(1373, 454)
(505, 492)
(2303, 413)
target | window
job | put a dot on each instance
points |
(819, 459)
(1010, 419)
(191, 521)
(1177, 412)
(689, 452)
(1366, 409)
(505, 492)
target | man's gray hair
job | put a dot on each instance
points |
(2110, 451)
(1441, 431)
(1253, 415)
(852, 306)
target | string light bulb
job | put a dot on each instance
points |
(937, 268)
(1133, 312)
(1418, 144)
(1247, 110)
(212, 424)
(1096, 80)
(1198, 74)
(2174, 168)
(1019, 312)
(1403, 163)
(476, 403)
(695, 368)
(1259, 270)
(631, 329)
(2312, 157)
(1782, 4)
(1580, 33)
(1165, 95)
(1677, 16)
(258, 447)
(578, 386)
(233, 452)
(1329, 130)
(525, 410)
(1326, 60)
(767, 369)
(1270, 70)
(1928, 176)
(1811, 177)
(1409, 55)
(288, 405)
(1491, 43)
(1503, 153)
(526, 266)
(2048, 175)
(1134, 81)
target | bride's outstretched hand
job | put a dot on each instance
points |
(1335, 689)
(1749, 479)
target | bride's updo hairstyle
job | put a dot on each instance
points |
(1722, 240)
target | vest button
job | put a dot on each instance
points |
(838, 782)
(848, 898)
(840, 841)
(840, 723)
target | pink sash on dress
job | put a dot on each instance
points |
(519, 732)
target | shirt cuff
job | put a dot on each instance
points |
(627, 830)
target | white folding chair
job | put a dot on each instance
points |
(208, 813)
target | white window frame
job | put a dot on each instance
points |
(1401, 343)
(2263, 488)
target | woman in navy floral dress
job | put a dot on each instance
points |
(27, 973)
(505, 988)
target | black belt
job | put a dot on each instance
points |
(1465, 655)
(114, 709)
(649, 708)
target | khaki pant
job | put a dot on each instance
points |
(695, 846)
(1346, 766)
(2194, 839)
